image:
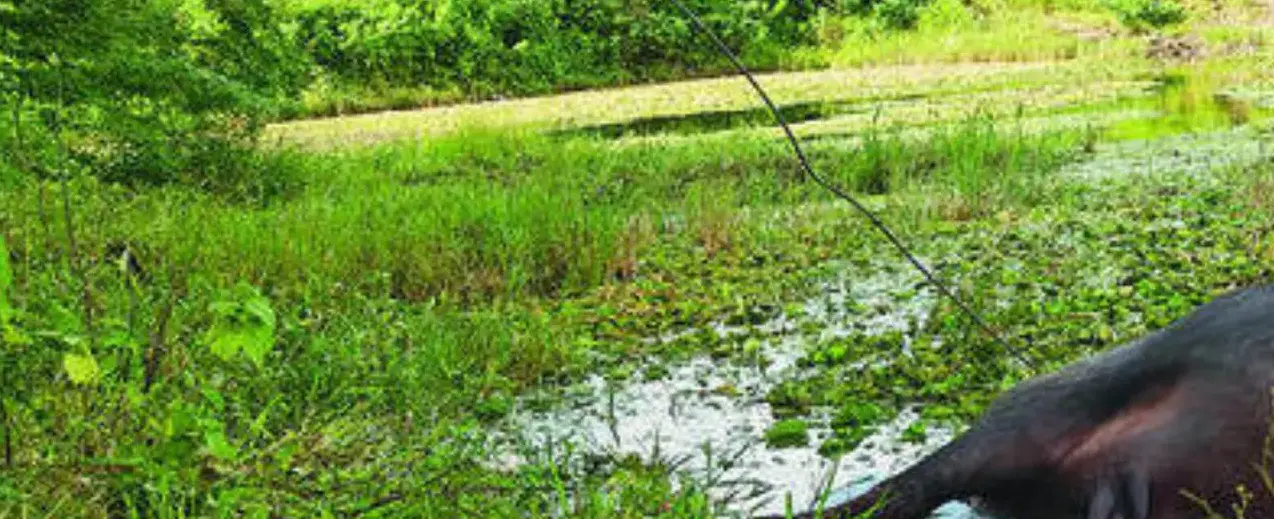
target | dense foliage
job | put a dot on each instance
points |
(156, 91)
(1147, 15)
(140, 91)
(520, 46)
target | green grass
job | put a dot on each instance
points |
(465, 269)
(403, 291)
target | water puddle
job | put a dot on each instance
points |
(1191, 101)
(714, 121)
(712, 414)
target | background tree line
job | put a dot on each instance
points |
(160, 90)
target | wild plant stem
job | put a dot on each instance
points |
(8, 433)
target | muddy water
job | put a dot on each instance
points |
(716, 434)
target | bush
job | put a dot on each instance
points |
(898, 14)
(143, 91)
(515, 47)
(1146, 15)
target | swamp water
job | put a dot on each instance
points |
(715, 435)
(708, 416)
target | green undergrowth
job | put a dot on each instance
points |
(336, 350)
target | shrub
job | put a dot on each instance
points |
(1146, 15)
(141, 91)
(898, 14)
(511, 47)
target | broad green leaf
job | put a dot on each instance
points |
(215, 441)
(182, 418)
(255, 340)
(223, 308)
(225, 341)
(259, 307)
(284, 455)
(262, 327)
(119, 338)
(246, 326)
(81, 368)
(258, 346)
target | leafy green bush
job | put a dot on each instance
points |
(898, 14)
(143, 91)
(155, 91)
(488, 47)
(1145, 15)
(893, 14)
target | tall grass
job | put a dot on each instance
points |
(475, 218)
(415, 287)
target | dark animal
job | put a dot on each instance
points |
(1131, 433)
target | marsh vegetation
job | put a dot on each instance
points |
(216, 302)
